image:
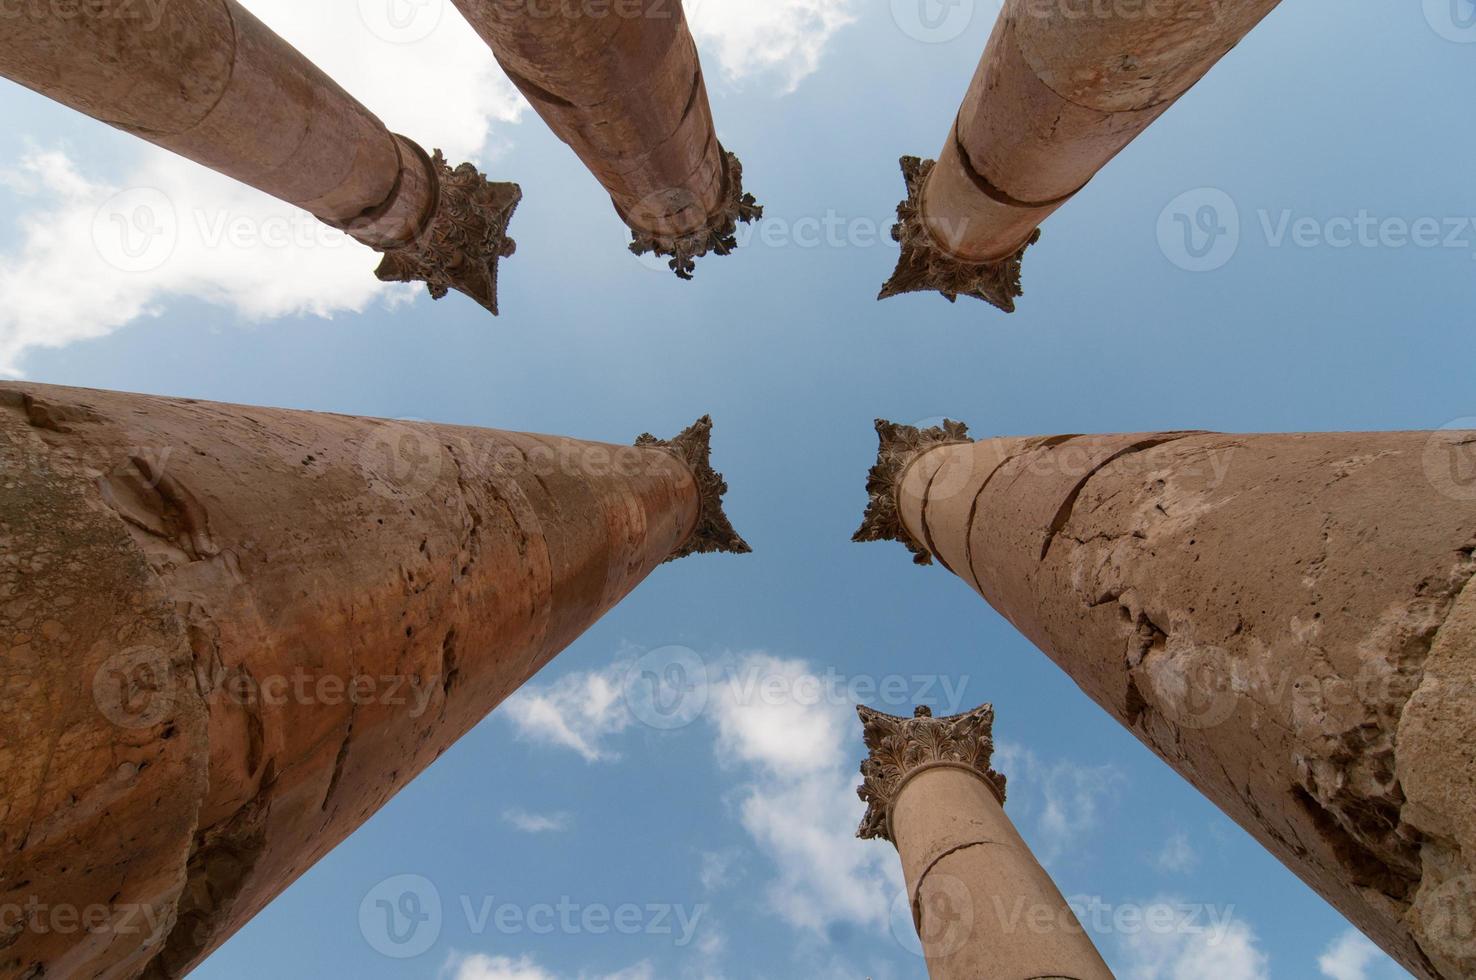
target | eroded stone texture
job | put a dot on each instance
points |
(1056, 96)
(621, 83)
(1285, 619)
(982, 904)
(214, 84)
(231, 634)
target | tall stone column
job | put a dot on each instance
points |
(1286, 620)
(214, 84)
(231, 634)
(982, 904)
(621, 83)
(1059, 92)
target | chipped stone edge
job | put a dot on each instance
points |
(714, 532)
(926, 267)
(898, 446)
(720, 237)
(464, 238)
(900, 747)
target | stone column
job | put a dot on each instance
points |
(982, 904)
(1286, 620)
(620, 82)
(1059, 92)
(231, 634)
(213, 83)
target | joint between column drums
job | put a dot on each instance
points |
(713, 532)
(995, 193)
(925, 266)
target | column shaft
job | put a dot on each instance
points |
(214, 84)
(1285, 619)
(982, 903)
(621, 83)
(1058, 93)
(234, 633)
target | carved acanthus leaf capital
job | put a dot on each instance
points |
(901, 746)
(714, 531)
(899, 446)
(464, 238)
(719, 237)
(925, 267)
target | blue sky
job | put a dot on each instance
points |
(567, 805)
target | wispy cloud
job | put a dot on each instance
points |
(582, 711)
(1057, 804)
(1177, 855)
(1352, 956)
(538, 823)
(1191, 950)
(780, 39)
(478, 966)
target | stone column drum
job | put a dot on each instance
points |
(1060, 91)
(214, 84)
(982, 904)
(1286, 620)
(621, 83)
(231, 634)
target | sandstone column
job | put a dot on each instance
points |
(1061, 89)
(214, 84)
(231, 634)
(1287, 620)
(620, 82)
(982, 904)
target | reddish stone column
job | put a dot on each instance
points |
(1287, 620)
(982, 904)
(621, 83)
(214, 84)
(231, 634)
(1061, 89)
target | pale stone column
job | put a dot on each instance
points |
(620, 82)
(982, 904)
(1287, 620)
(231, 634)
(214, 84)
(1061, 89)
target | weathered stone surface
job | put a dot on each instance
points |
(624, 88)
(1056, 96)
(231, 634)
(214, 84)
(1284, 619)
(982, 904)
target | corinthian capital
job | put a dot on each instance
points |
(902, 747)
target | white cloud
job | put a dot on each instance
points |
(783, 39)
(1353, 957)
(1190, 951)
(799, 803)
(537, 823)
(206, 237)
(1177, 855)
(579, 711)
(1055, 805)
(717, 869)
(479, 966)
